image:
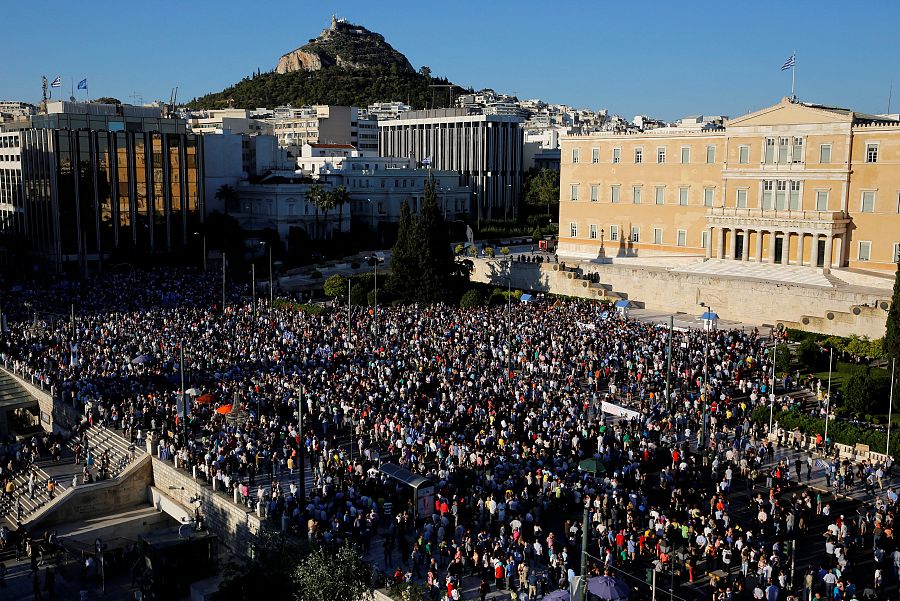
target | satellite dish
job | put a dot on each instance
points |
(184, 531)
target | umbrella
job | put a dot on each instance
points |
(224, 409)
(560, 595)
(593, 466)
(141, 359)
(192, 391)
(608, 588)
(205, 399)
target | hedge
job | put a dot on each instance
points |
(838, 431)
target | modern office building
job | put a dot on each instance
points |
(486, 150)
(792, 184)
(235, 121)
(94, 179)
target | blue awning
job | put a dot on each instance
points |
(709, 315)
(623, 304)
(526, 298)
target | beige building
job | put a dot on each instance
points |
(326, 124)
(792, 184)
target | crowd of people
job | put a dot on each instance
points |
(501, 408)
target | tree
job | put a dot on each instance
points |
(340, 196)
(325, 574)
(314, 197)
(335, 285)
(471, 299)
(425, 71)
(228, 196)
(542, 189)
(891, 342)
(783, 359)
(439, 275)
(404, 258)
(810, 354)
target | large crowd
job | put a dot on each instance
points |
(499, 407)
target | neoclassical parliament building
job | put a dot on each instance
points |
(792, 184)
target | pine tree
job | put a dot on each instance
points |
(891, 341)
(404, 258)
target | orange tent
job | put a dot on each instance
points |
(205, 399)
(224, 410)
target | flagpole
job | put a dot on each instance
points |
(793, 68)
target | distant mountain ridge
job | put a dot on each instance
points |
(346, 65)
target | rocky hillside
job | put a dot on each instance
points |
(343, 45)
(346, 65)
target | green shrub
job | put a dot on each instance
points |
(458, 249)
(472, 298)
(316, 275)
(505, 251)
(489, 251)
(811, 356)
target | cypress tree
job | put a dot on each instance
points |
(404, 258)
(438, 272)
(892, 327)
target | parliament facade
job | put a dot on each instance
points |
(792, 184)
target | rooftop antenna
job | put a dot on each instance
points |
(890, 93)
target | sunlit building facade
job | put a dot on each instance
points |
(112, 187)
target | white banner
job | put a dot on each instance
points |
(614, 409)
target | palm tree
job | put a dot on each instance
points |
(341, 197)
(314, 197)
(227, 195)
(327, 202)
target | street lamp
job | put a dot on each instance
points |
(271, 289)
(506, 204)
(601, 237)
(704, 437)
(204, 248)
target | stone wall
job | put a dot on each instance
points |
(834, 312)
(233, 524)
(97, 499)
(54, 416)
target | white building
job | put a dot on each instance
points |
(231, 158)
(278, 201)
(388, 110)
(325, 124)
(235, 121)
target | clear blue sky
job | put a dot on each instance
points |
(666, 58)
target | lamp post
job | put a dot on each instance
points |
(601, 237)
(253, 285)
(704, 436)
(506, 204)
(828, 398)
(204, 248)
(223, 280)
(887, 445)
(772, 392)
(271, 289)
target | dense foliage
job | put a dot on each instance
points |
(332, 85)
(891, 342)
(423, 268)
(838, 431)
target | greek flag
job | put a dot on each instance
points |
(789, 63)
(82, 85)
(56, 83)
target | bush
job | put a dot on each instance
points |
(316, 275)
(489, 251)
(838, 431)
(811, 355)
(473, 251)
(372, 297)
(335, 285)
(504, 251)
(458, 249)
(471, 299)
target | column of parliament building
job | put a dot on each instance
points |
(792, 184)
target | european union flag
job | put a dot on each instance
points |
(82, 85)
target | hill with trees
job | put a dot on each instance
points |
(347, 65)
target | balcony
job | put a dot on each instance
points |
(732, 217)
